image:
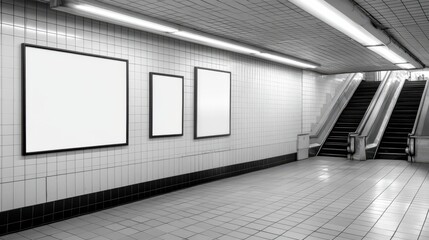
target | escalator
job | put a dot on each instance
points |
(336, 143)
(394, 141)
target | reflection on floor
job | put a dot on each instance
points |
(318, 198)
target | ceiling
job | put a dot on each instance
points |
(405, 20)
(280, 26)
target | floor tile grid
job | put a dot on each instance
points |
(370, 174)
(263, 205)
(331, 179)
(298, 209)
(349, 191)
(287, 204)
(385, 189)
(410, 221)
(301, 218)
(367, 214)
(373, 198)
(119, 219)
(380, 227)
(185, 200)
(298, 236)
(424, 233)
(413, 218)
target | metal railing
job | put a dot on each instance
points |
(351, 139)
(375, 134)
(363, 143)
(411, 140)
(373, 103)
(329, 118)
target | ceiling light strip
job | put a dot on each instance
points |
(116, 16)
(406, 65)
(332, 16)
(336, 19)
(287, 61)
(219, 43)
(388, 54)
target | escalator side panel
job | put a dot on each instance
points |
(336, 142)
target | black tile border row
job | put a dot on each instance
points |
(37, 215)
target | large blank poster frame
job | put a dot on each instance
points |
(72, 100)
(166, 105)
(212, 103)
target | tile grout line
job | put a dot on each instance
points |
(392, 199)
(317, 170)
(312, 201)
(411, 202)
(362, 194)
(426, 218)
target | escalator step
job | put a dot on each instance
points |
(333, 155)
(394, 156)
(336, 142)
(391, 150)
(394, 140)
(335, 150)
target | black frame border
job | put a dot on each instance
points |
(23, 114)
(196, 102)
(151, 74)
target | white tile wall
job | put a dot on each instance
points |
(271, 104)
(317, 93)
(266, 109)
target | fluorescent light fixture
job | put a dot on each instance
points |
(286, 60)
(124, 18)
(405, 65)
(109, 14)
(336, 19)
(215, 42)
(388, 54)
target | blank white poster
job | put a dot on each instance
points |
(166, 99)
(213, 100)
(73, 100)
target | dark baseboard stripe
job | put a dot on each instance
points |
(33, 216)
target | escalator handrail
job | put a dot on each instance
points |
(371, 107)
(410, 149)
(339, 114)
(419, 112)
(322, 125)
(387, 117)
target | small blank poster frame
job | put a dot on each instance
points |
(72, 100)
(212, 114)
(166, 105)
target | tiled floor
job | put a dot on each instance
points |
(319, 198)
